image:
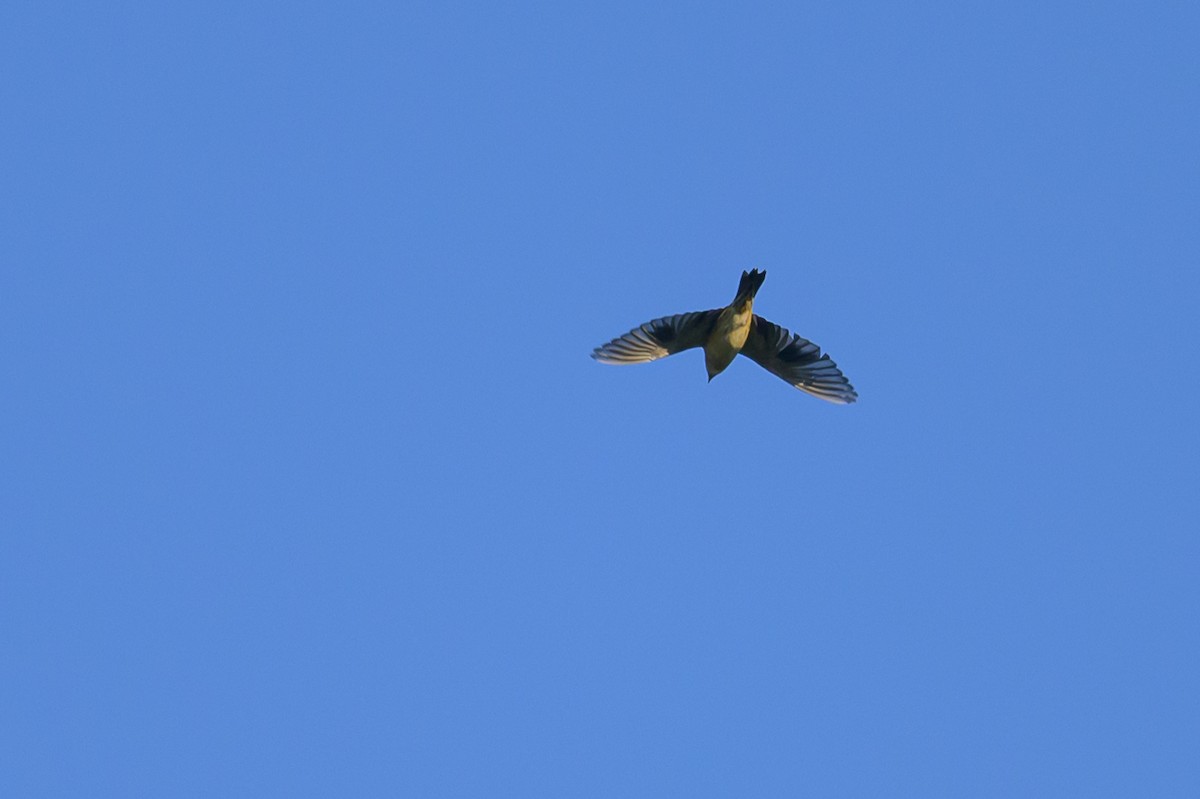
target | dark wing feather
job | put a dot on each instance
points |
(798, 361)
(659, 338)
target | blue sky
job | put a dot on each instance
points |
(310, 487)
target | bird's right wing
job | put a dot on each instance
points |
(659, 338)
(798, 361)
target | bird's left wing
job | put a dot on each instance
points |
(659, 338)
(798, 361)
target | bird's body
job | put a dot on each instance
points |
(728, 331)
(732, 329)
(727, 339)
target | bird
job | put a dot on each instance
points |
(724, 333)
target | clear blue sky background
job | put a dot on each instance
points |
(310, 487)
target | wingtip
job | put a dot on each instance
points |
(849, 397)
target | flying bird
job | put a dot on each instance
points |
(725, 332)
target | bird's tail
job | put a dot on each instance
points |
(749, 285)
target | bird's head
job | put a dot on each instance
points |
(712, 366)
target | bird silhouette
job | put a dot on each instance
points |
(726, 332)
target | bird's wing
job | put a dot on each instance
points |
(659, 338)
(798, 361)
